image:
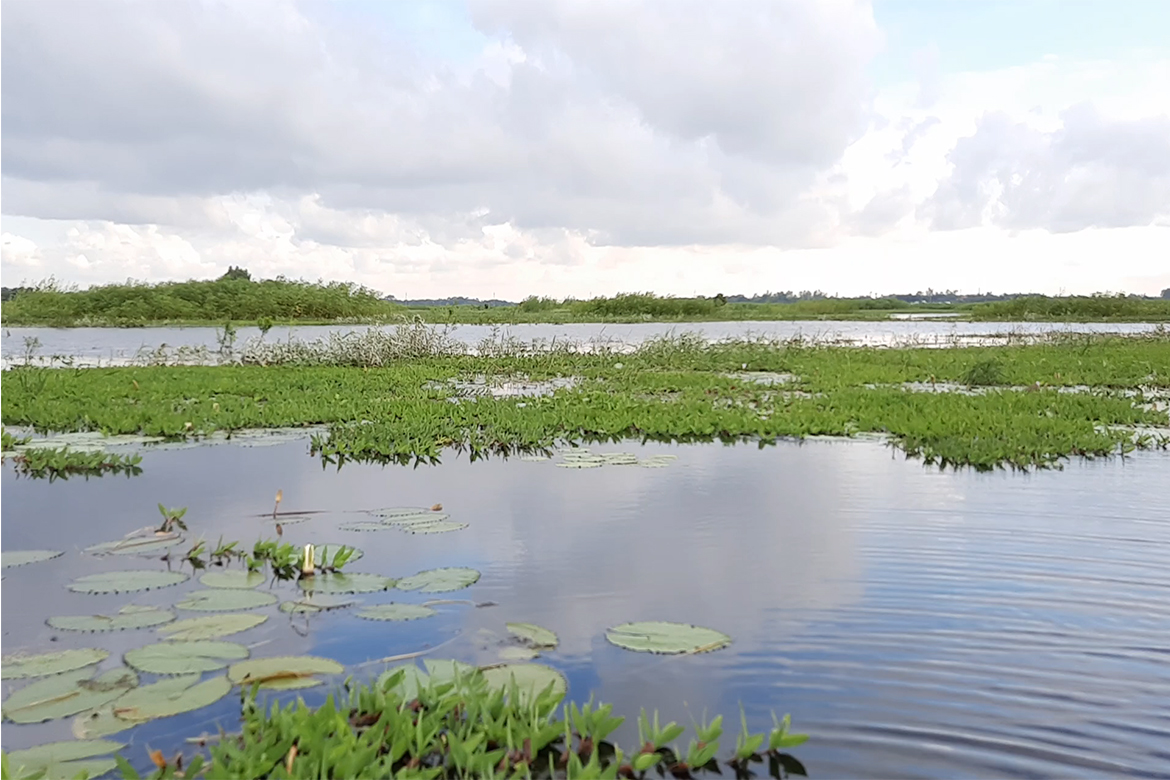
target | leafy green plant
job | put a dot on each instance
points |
(54, 464)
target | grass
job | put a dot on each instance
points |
(461, 728)
(678, 389)
(1077, 308)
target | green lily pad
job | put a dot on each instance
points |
(581, 464)
(316, 602)
(16, 667)
(530, 678)
(226, 600)
(440, 580)
(323, 553)
(439, 527)
(395, 611)
(128, 617)
(657, 636)
(169, 697)
(364, 525)
(443, 670)
(210, 627)
(10, 558)
(126, 581)
(413, 520)
(283, 672)
(136, 545)
(397, 515)
(415, 679)
(514, 653)
(346, 583)
(232, 579)
(193, 657)
(533, 634)
(63, 759)
(100, 722)
(67, 694)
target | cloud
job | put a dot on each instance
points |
(1091, 172)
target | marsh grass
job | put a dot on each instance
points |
(387, 398)
(1075, 308)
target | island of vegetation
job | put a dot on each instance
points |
(238, 298)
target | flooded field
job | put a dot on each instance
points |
(916, 623)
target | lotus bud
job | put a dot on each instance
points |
(307, 566)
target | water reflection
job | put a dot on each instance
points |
(917, 623)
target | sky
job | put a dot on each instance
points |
(506, 148)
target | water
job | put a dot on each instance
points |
(119, 345)
(916, 623)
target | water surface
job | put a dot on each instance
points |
(917, 623)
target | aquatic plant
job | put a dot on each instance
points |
(54, 464)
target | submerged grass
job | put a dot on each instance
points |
(680, 389)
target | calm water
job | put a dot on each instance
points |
(116, 345)
(917, 623)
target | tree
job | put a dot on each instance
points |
(237, 273)
(1166, 293)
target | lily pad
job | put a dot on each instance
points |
(657, 636)
(232, 579)
(439, 527)
(136, 545)
(210, 627)
(283, 672)
(533, 634)
(171, 697)
(226, 600)
(128, 617)
(67, 694)
(323, 553)
(63, 759)
(10, 558)
(185, 657)
(530, 678)
(402, 514)
(515, 653)
(414, 679)
(100, 722)
(346, 583)
(394, 611)
(423, 519)
(581, 464)
(16, 667)
(126, 581)
(316, 602)
(440, 580)
(364, 525)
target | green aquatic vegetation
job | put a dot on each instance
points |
(1075, 308)
(128, 617)
(11, 558)
(170, 696)
(232, 579)
(395, 612)
(67, 694)
(440, 580)
(226, 600)
(185, 657)
(345, 583)
(43, 664)
(54, 464)
(666, 638)
(536, 636)
(126, 581)
(61, 760)
(283, 673)
(210, 627)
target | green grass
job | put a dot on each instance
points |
(670, 389)
(1091, 308)
(198, 302)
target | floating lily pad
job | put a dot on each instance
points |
(126, 581)
(136, 545)
(63, 759)
(283, 672)
(171, 697)
(534, 458)
(346, 583)
(364, 525)
(316, 602)
(232, 579)
(620, 458)
(439, 580)
(395, 611)
(514, 653)
(581, 464)
(415, 679)
(185, 657)
(530, 678)
(100, 722)
(440, 527)
(669, 638)
(533, 634)
(443, 670)
(226, 600)
(290, 519)
(16, 667)
(128, 617)
(323, 553)
(210, 627)
(397, 515)
(10, 558)
(67, 694)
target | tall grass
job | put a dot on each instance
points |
(1125, 308)
(135, 303)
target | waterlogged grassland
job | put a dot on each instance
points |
(1021, 414)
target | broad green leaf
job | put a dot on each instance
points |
(210, 627)
(414, 520)
(439, 580)
(316, 602)
(126, 581)
(394, 611)
(65, 760)
(530, 678)
(443, 670)
(10, 558)
(232, 579)
(67, 694)
(514, 653)
(15, 667)
(226, 600)
(345, 583)
(128, 617)
(413, 680)
(64, 770)
(171, 697)
(321, 551)
(283, 672)
(581, 464)
(136, 545)
(100, 722)
(669, 638)
(403, 514)
(185, 657)
(533, 634)
(440, 527)
(364, 525)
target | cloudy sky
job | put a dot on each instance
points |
(584, 147)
